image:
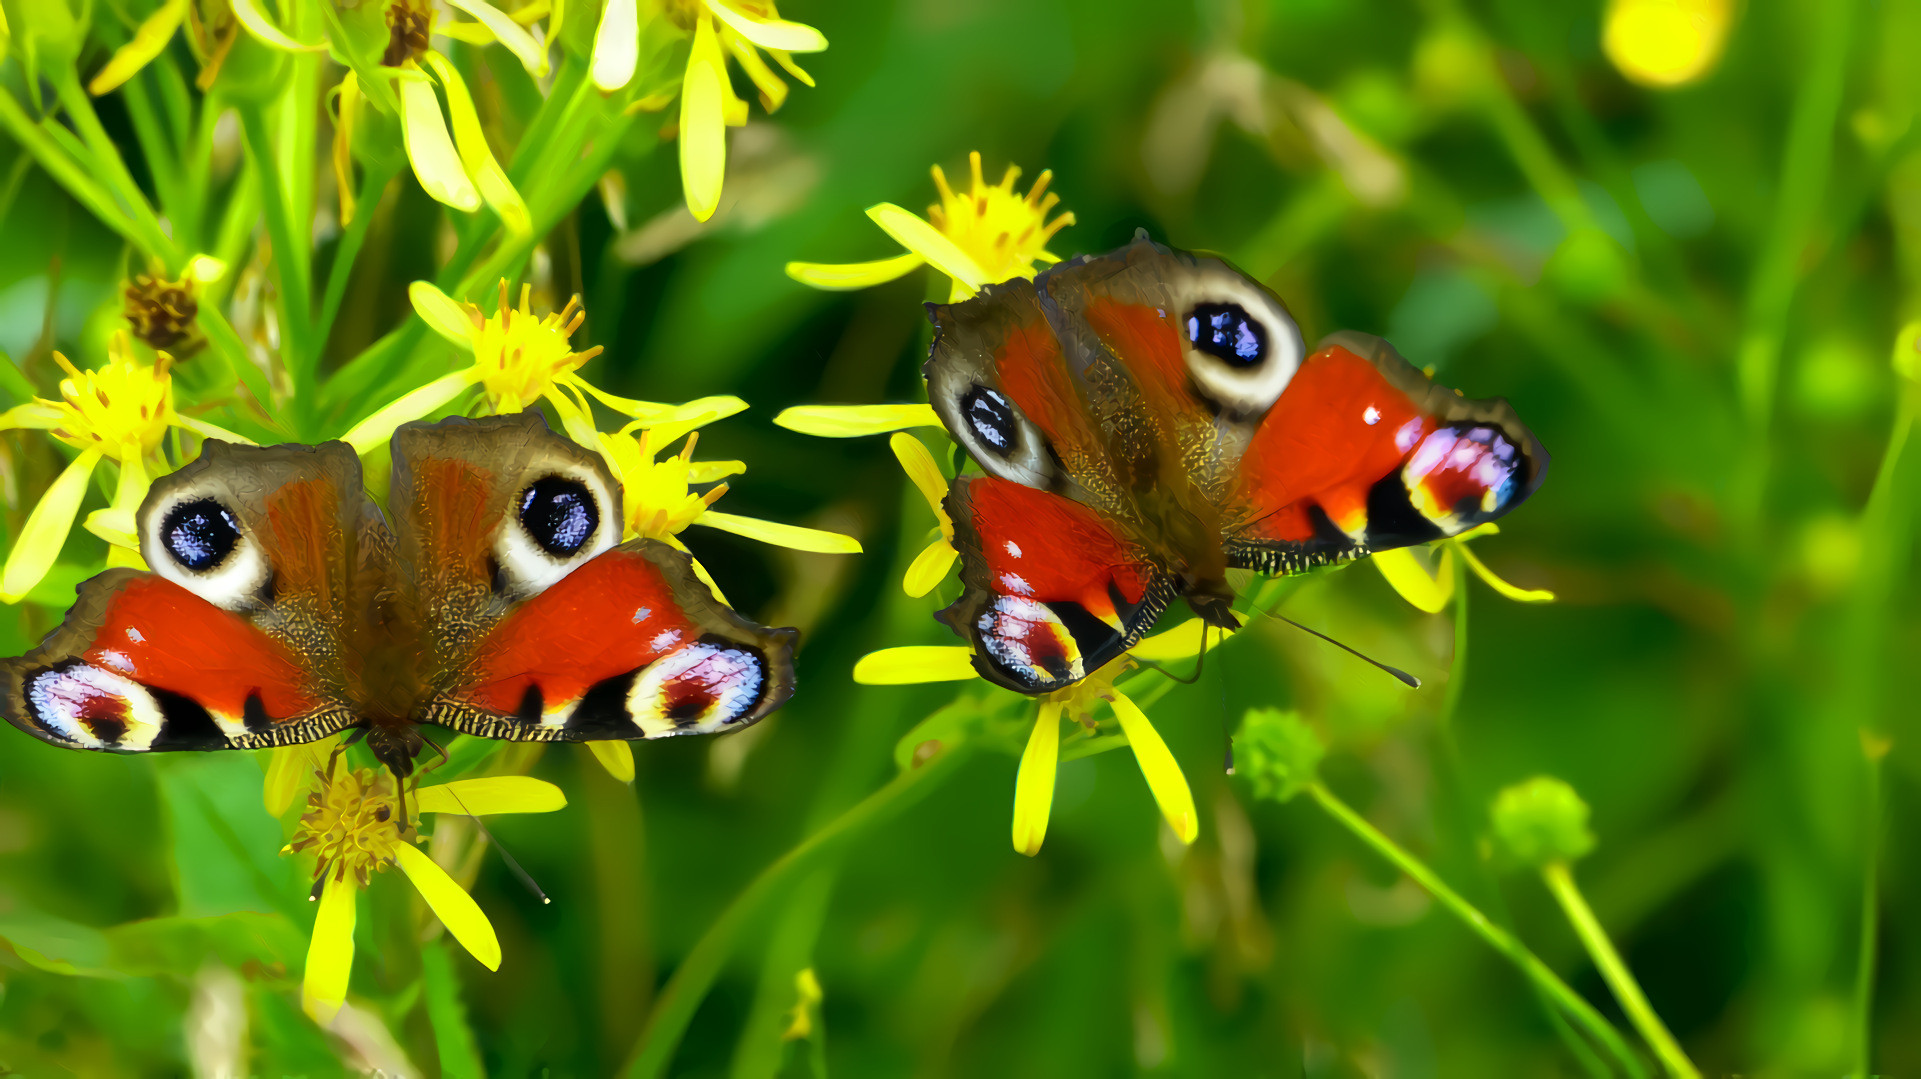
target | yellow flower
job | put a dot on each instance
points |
(1034, 783)
(519, 359)
(353, 828)
(1432, 592)
(929, 567)
(853, 421)
(460, 171)
(1666, 43)
(985, 235)
(657, 492)
(121, 412)
(211, 30)
(708, 104)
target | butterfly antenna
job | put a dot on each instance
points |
(1405, 678)
(1200, 659)
(526, 879)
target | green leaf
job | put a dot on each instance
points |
(226, 849)
(459, 1056)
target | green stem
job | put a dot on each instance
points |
(289, 267)
(695, 975)
(106, 157)
(76, 179)
(372, 185)
(1502, 941)
(1861, 1025)
(1560, 881)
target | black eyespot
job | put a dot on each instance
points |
(991, 419)
(1225, 331)
(200, 534)
(559, 514)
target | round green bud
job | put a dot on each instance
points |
(1542, 821)
(1278, 753)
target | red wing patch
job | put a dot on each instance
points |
(1053, 589)
(164, 669)
(1350, 461)
(613, 650)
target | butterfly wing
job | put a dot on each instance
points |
(1362, 452)
(239, 638)
(1052, 590)
(537, 625)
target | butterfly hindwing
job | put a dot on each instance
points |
(1053, 591)
(536, 623)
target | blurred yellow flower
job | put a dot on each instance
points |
(211, 30)
(355, 826)
(1666, 43)
(120, 412)
(1432, 592)
(978, 237)
(1034, 783)
(708, 104)
(519, 359)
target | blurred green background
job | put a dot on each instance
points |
(1690, 294)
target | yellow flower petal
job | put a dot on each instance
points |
(475, 155)
(442, 313)
(509, 33)
(914, 663)
(849, 421)
(34, 415)
(288, 769)
(616, 45)
(709, 471)
(430, 149)
(255, 20)
(115, 524)
(46, 529)
(700, 572)
(703, 134)
(696, 413)
(212, 430)
(916, 235)
(844, 276)
(1181, 642)
(330, 954)
(492, 794)
(1430, 594)
(137, 53)
(1164, 776)
(793, 537)
(769, 33)
(1519, 595)
(616, 757)
(379, 427)
(929, 568)
(920, 467)
(1034, 786)
(451, 904)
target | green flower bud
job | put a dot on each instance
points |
(1542, 821)
(1278, 753)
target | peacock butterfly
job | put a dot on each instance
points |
(282, 608)
(1148, 419)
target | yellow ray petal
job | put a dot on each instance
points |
(701, 573)
(509, 33)
(1430, 594)
(475, 155)
(137, 53)
(844, 276)
(616, 757)
(115, 524)
(1164, 776)
(769, 33)
(616, 45)
(1181, 642)
(442, 313)
(288, 769)
(773, 91)
(379, 427)
(1513, 592)
(212, 430)
(915, 663)
(490, 795)
(1034, 786)
(709, 471)
(330, 954)
(347, 114)
(916, 235)
(46, 529)
(34, 415)
(451, 904)
(255, 20)
(920, 467)
(849, 421)
(703, 125)
(929, 568)
(793, 537)
(431, 150)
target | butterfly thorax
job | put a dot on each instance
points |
(1181, 528)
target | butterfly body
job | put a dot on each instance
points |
(1148, 420)
(283, 607)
